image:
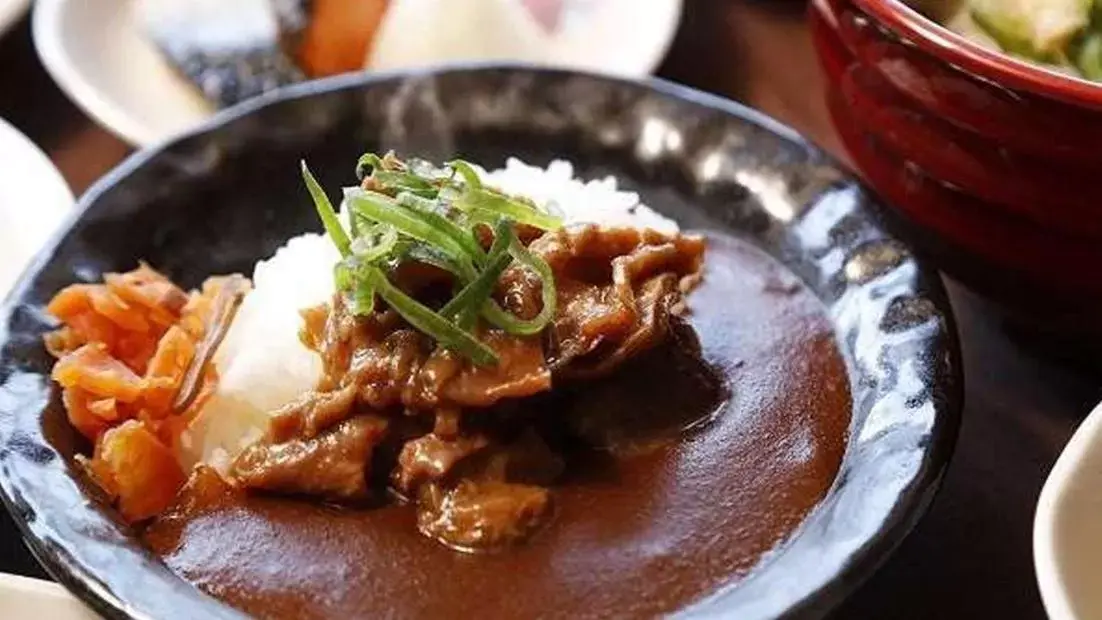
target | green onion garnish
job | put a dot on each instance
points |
(363, 298)
(467, 304)
(377, 243)
(393, 181)
(429, 322)
(486, 203)
(548, 295)
(366, 161)
(385, 210)
(462, 237)
(343, 276)
(467, 171)
(328, 216)
(417, 212)
(431, 256)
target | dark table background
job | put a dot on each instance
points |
(971, 557)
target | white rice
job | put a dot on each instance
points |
(577, 202)
(263, 365)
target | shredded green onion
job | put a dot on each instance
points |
(416, 212)
(343, 276)
(328, 216)
(548, 295)
(368, 161)
(462, 237)
(467, 304)
(467, 171)
(424, 319)
(431, 256)
(385, 210)
(394, 181)
(363, 298)
(376, 244)
(486, 203)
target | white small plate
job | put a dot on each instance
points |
(1067, 529)
(96, 51)
(21, 597)
(10, 12)
(33, 201)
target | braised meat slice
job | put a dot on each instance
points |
(393, 365)
(653, 307)
(616, 288)
(446, 378)
(334, 464)
(311, 414)
(482, 515)
(430, 458)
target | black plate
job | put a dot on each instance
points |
(227, 195)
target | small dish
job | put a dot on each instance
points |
(23, 597)
(10, 12)
(1067, 531)
(215, 200)
(98, 54)
(33, 201)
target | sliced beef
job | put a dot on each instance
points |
(654, 301)
(616, 291)
(430, 458)
(446, 378)
(616, 288)
(334, 464)
(476, 516)
(393, 365)
(311, 414)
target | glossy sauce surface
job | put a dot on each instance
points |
(637, 531)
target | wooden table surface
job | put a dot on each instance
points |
(971, 556)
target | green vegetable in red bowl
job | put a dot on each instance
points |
(1063, 35)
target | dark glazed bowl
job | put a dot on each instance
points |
(992, 161)
(226, 195)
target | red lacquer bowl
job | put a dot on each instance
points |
(994, 165)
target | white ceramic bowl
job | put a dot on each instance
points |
(34, 199)
(23, 598)
(1067, 529)
(10, 12)
(96, 52)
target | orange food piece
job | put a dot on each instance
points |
(173, 354)
(71, 301)
(194, 314)
(92, 327)
(91, 368)
(106, 409)
(62, 341)
(123, 352)
(339, 35)
(85, 420)
(115, 309)
(141, 470)
(135, 350)
(150, 290)
(98, 471)
(166, 371)
(169, 428)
